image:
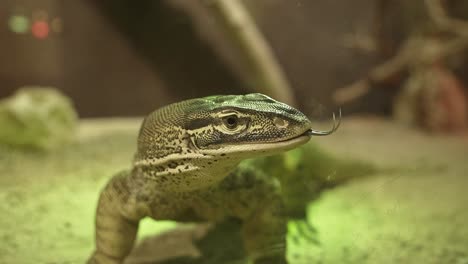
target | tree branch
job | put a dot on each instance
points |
(440, 17)
(266, 73)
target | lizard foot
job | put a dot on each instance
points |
(302, 231)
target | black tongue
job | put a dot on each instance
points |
(336, 125)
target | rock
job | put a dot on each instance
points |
(38, 118)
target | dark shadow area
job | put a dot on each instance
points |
(200, 244)
(167, 40)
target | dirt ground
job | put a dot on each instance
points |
(415, 210)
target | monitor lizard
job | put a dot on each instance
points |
(185, 169)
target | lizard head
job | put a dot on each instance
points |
(217, 132)
(247, 126)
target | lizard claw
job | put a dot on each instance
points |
(303, 230)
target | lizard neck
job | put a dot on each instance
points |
(187, 174)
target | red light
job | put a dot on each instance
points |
(40, 29)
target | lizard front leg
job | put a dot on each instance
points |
(265, 231)
(249, 195)
(116, 223)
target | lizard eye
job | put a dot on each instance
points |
(231, 122)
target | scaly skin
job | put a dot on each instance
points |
(185, 169)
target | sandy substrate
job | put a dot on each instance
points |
(415, 210)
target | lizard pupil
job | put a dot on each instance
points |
(231, 122)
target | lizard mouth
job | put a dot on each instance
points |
(249, 150)
(304, 137)
(273, 147)
(280, 146)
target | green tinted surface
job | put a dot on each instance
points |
(414, 212)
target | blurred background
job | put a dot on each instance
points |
(126, 58)
(390, 189)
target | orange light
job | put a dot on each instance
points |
(40, 29)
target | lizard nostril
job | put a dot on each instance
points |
(280, 123)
